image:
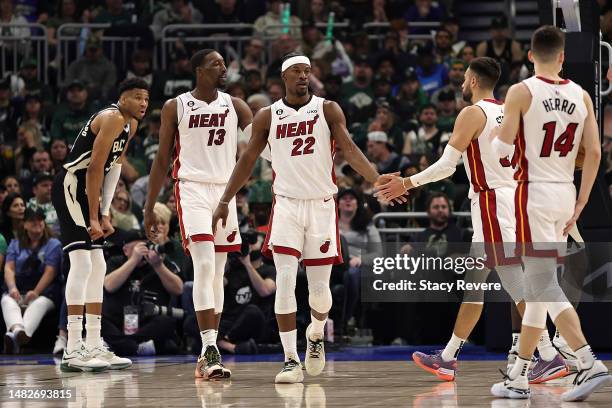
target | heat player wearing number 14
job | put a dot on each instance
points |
(551, 117)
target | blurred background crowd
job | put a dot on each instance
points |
(394, 66)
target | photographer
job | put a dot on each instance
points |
(138, 288)
(248, 310)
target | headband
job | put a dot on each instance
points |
(298, 59)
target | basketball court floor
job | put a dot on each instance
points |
(356, 377)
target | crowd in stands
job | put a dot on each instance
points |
(400, 96)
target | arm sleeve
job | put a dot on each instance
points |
(108, 188)
(440, 169)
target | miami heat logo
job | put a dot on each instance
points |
(325, 247)
(231, 237)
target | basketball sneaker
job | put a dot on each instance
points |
(542, 370)
(209, 365)
(433, 363)
(509, 388)
(587, 381)
(80, 359)
(102, 352)
(567, 353)
(291, 373)
(315, 354)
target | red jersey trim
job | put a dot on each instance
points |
(550, 81)
(495, 101)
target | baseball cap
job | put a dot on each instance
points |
(32, 96)
(28, 63)
(410, 74)
(361, 59)
(93, 41)
(77, 83)
(383, 103)
(40, 177)
(33, 214)
(131, 236)
(378, 136)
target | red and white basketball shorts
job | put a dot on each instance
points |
(195, 204)
(494, 223)
(542, 210)
(306, 229)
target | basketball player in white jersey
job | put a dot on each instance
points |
(492, 197)
(301, 131)
(551, 117)
(202, 127)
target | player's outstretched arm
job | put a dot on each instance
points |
(354, 156)
(592, 157)
(244, 167)
(469, 124)
(159, 168)
(110, 125)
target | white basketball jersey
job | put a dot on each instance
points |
(482, 165)
(206, 140)
(551, 131)
(302, 151)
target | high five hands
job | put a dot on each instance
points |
(392, 189)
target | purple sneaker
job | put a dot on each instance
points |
(433, 363)
(542, 371)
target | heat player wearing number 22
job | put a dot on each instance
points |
(551, 117)
(302, 131)
(202, 126)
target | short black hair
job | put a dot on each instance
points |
(428, 105)
(198, 57)
(546, 42)
(487, 70)
(132, 83)
(433, 196)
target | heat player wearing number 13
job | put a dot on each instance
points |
(202, 126)
(551, 117)
(301, 130)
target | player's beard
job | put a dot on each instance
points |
(467, 95)
(300, 92)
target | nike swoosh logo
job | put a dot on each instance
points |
(283, 117)
(195, 109)
(326, 200)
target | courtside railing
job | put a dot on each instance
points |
(19, 41)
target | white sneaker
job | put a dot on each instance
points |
(80, 359)
(514, 389)
(587, 381)
(315, 354)
(116, 363)
(291, 373)
(60, 344)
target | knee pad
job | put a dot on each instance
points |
(218, 289)
(285, 302)
(541, 283)
(78, 275)
(555, 308)
(319, 296)
(513, 281)
(94, 290)
(203, 254)
(535, 315)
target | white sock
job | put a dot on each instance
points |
(545, 347)
(93, 325)
(515, 342)
(289, 341)
(451, 351)
(519, 369)
(209, 338)
(75, 331)
(586, 357)
(316, 327)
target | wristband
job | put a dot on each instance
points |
(224, 202)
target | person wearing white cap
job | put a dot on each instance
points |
(302, 131)
(380, 151)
